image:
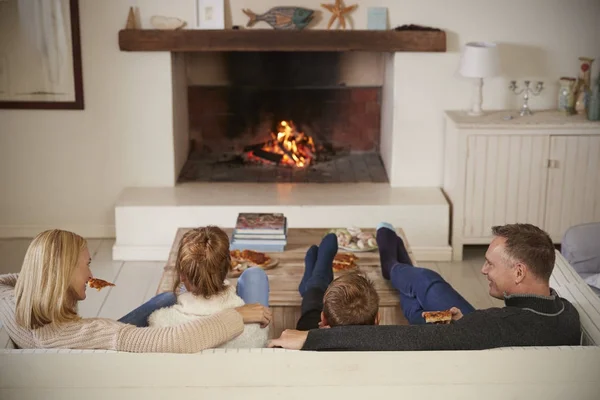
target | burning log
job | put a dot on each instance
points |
(253, 147)
(288, 147)
(267, 155)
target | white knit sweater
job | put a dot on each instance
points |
(191, 308)
(102, 333)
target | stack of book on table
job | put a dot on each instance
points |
(264, 232)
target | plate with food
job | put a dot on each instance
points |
(241, 260)
(354, 239)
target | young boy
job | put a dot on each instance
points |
(350, 299)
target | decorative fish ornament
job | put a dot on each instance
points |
(295, 18)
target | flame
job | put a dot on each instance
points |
(296, 148)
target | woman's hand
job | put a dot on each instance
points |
(290, 339)
(255, 314)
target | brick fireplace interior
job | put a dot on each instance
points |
(284, 117)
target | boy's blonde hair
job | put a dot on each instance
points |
(204, 260)
(351, 299)
(43, 290)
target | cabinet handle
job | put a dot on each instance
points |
(552, 164)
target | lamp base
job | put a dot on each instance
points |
(477, 98)
(475, 113)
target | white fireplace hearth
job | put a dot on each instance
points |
(148, 218)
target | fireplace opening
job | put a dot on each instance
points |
(283, 117)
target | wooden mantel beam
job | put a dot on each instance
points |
(191, 40)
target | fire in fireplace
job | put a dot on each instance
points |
(287, 147)
(241, 127)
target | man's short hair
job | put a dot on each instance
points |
(530, 245)
(351, 299)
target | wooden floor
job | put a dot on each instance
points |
(136, 282)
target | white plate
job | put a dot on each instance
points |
(357, 250)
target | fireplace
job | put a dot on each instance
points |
(284, 117)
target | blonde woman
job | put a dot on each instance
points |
(38, 308)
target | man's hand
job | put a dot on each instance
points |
(456, 314)
(290, 339)
(256, 314)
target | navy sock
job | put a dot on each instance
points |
(403, 256)
(323, 273)
(309, 265)
(387, 241)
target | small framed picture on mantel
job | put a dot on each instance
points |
(210, 14)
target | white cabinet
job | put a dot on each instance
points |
(505, 182)
(573, 195)
(543, 170)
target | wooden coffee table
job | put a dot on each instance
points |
(284, 298)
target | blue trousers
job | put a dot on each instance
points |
(252, 287)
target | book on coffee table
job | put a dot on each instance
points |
(260, 223)
(260, 232)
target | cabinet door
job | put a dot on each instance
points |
(573, 183)
(505, 182)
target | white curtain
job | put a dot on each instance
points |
(43, 24)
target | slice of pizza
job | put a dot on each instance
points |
(344, 262)
(98, 284)
(250, 256)
(438, 317)
(256, 258)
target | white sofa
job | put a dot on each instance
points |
(507, 373)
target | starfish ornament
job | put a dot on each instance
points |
(338, 11)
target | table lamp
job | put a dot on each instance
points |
(479, 60)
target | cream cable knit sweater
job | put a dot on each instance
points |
(100, 333)
(193, 308)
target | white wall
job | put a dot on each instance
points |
(66, 168)
(540, 40)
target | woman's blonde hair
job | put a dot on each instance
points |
(43, 293)
(204, 260)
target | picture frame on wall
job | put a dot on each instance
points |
(40, 64)
(210, 14)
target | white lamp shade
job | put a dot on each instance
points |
(479, 60)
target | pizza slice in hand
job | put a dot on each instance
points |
(98, 284)
(438, 317)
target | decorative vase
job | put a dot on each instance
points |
(594, 102)
(582, 92)
(566, 95)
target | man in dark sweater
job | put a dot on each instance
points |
(518, 265)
